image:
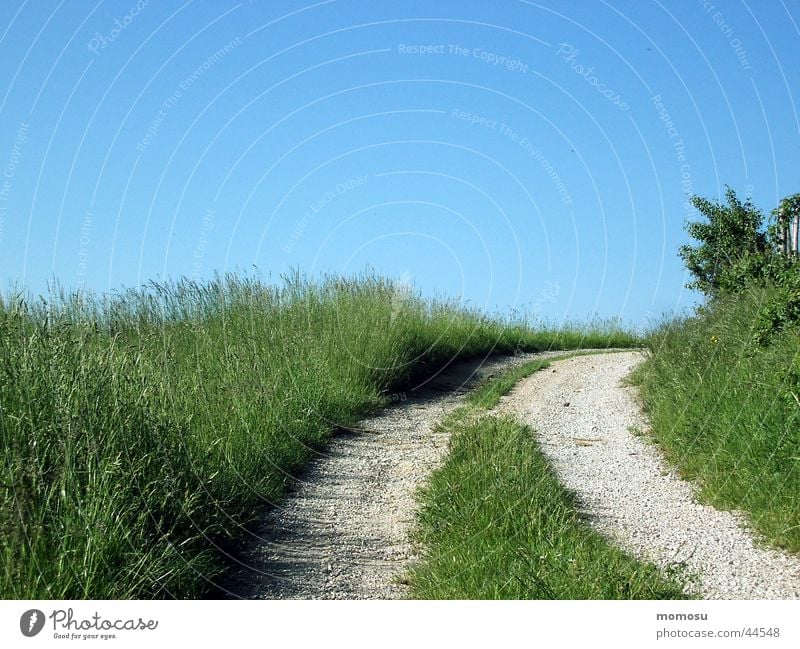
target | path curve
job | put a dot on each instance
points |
(343, 531)
(583, 416)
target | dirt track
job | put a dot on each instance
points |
(343, 532)
(625, 488)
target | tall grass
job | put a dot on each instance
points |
(141, 431)
(725, 409)
(495, 522)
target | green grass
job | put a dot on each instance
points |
(488, 394)
(141, 431)
(726, 412)
(495, 523)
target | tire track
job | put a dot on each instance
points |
(343, 532)
(584, 417)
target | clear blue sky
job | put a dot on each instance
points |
(514, 154)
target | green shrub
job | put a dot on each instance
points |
(732, 248)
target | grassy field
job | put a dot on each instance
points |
(725, 409)
(142, 430)
(495, 523)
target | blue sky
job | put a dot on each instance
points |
(529, 156)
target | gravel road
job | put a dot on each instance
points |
(583, 419)
(342, 533)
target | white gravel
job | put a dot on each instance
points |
(583, 417)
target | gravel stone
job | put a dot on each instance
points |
(627, 491)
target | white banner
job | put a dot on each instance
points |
(229, 624)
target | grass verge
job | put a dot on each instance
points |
(725, 410)
(495, 523)
(141, 431)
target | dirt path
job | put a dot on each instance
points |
(342, 533)
(583, 419)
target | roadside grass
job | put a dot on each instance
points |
(495, 522)
(142, 430)
(726, 412)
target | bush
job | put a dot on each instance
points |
(733, 245)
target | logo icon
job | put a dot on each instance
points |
(31, 622)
